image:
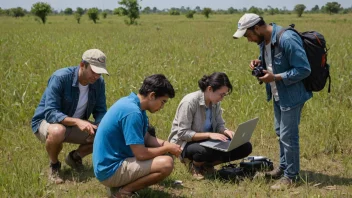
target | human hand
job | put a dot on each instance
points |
(174, 149)
(268, 77)
(218, 136)
(229, 133)
(254, 63)
(86, 126)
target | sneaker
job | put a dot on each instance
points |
(274, 174)
(208, 168)
(54, 173)
(196, 171)
(115, 192)
(283, 184)
(75, 161)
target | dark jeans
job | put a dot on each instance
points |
(198, 153)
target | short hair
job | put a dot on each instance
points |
(86, 64)
(260, 23)
(216, 80)
(159, 84)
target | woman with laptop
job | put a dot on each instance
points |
(198, 118)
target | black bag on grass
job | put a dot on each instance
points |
(253, 164)
(248, 167)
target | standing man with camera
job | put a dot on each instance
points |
(282, 73)
(71, 96)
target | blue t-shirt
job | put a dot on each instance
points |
(123, 125)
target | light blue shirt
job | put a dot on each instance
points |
(207, 124)
(123, 125)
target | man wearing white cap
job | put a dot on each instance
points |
(71, 96)
(285, 65)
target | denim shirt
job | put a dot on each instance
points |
(190, 118)
(290, 61)
(61, 96)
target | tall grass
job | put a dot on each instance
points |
(184, 50)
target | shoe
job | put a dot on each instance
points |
(196, 172)
(208, 168)
(274, 174)
(74, 161)
(54, 173)
(283, 184)
(116, 192)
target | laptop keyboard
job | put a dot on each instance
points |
(223, 145)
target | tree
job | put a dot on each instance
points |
(206, 12)
(332, 7)
(231, 10)
(68, 11)
(174, 11)
(105, 14)
(120, 11)
(155, 10)
(255, 10)
(132, 10)
(147, 10)
(80, 11)
(315, 8)
(17, 12)
(78, 17)
(93, 14)
(41, 10)
(299, 8)
(198, 10)
(271, 10)
(190, 14)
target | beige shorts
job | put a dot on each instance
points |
(72, 135)
(129, 171)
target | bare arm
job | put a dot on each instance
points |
(151, 141)
(143, 153)
(83, 125)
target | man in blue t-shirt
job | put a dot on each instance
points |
(126, 157)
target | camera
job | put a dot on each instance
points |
(258, 71)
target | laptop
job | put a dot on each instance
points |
(242, 135)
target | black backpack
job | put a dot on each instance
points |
(315, 46)
(247, 168)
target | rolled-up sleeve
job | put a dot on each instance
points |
(185, 113)
(53, 100)
(296, 56)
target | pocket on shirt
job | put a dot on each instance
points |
(278, 58)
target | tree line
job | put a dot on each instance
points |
(132, 10)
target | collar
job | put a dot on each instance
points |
(75, 76)
(202, 99)
(75, 81)
(135, 99)
(274, 32)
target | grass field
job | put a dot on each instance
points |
(184, 50)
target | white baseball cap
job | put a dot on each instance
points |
(97, 60)
(246, 21)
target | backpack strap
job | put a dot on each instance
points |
(278, 35)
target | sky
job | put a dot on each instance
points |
(161, 4)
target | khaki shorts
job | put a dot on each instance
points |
(72, 135)
(129, 171)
